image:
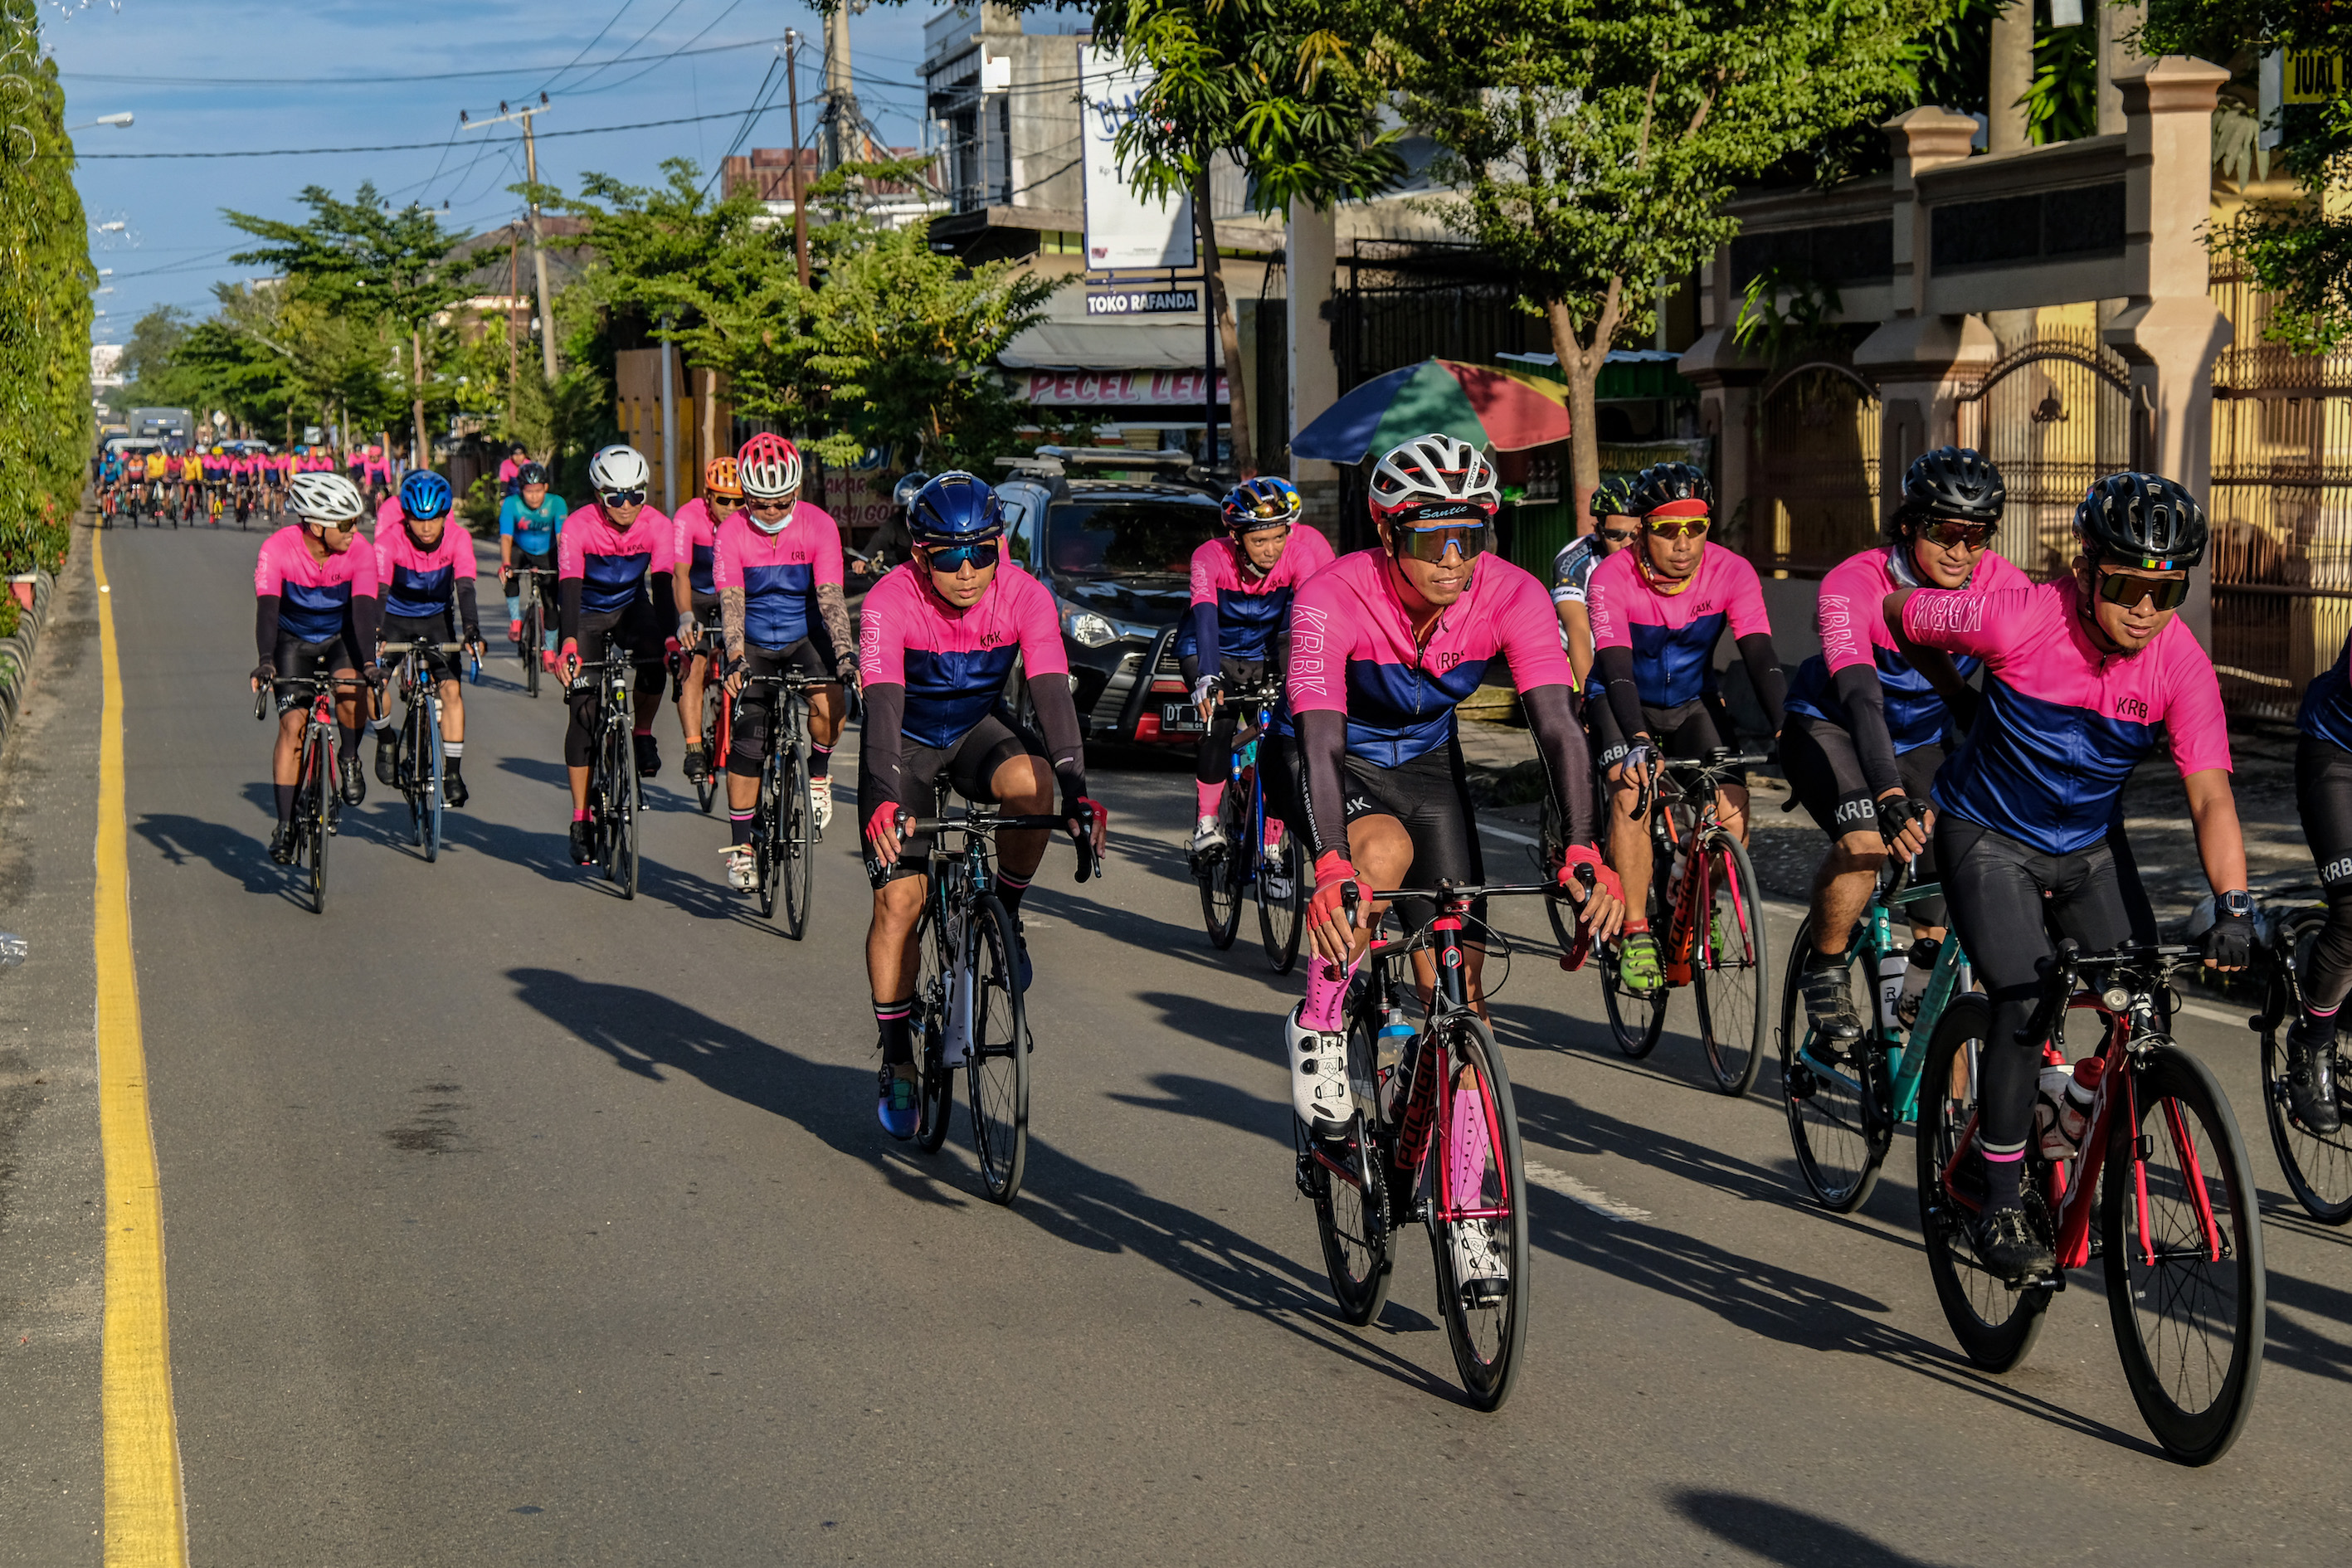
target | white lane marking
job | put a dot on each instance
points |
(1583, 1192)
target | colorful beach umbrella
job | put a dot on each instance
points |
(1487, 407)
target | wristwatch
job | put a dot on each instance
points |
(2237, 905)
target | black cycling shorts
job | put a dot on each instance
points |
(747, 742)
(641, 637)
(1825, 776)
(339, 655)
(1213, 759)
(1430, 795)
(1687, 732)
(968, 766)
(399, 629)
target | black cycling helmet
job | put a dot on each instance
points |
(2141, 520)
(1956, 482)
(1612, 500)
(531, 474)
(1663, 484)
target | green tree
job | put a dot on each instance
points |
(1277, 86)
(1592, 144)
(2299, 249)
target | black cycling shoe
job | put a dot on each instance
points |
(2009, 1249)
(583, 847)
(453, 785)
(354, 781)
(648, 757)
(2311, 1074)
(281, 844)
(697, 765)
(1829, 1008)
(386, 754)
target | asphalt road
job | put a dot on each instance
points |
(512, 1223)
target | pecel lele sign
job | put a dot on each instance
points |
(1117, 388)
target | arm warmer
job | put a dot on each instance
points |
(1057, 716)
(1864, 701)
(881, 748)
(1765, 674)
(1615, 665)
(567, 610)
(1203, 618)
(1322, 746)
(367, 616)
(469, 614)
(265, 625)
(661, 591)
(1566, 757)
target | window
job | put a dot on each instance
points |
(1126, 536)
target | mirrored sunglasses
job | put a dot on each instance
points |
(1431, 544)
(1948, 532)
(1678, 527)
(623, 497)
(2129, 588)
(943, 558)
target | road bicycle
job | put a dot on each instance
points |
(2317, 1166)
(317, 803)
(717, 713)
(1436, 1103)
(969, 1007)
(1272, 864)
(616, 794)
(1844, 1106)
(420, 765)
(1707, 907)
(534, 583)
(2180, 1228)
(784, 825)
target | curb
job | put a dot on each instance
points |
(17, 652)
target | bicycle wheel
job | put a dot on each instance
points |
(1994, 1324)
(1351, 1206)
(407, 741)
(631, 799)
(935, 1101)
(767, 852)
(316, 775)
(999, 1062)
(2186, 1300)
(1477, 1210)
(714, 778)
(1281, 901)
(2318, 1167)
(1635, 1021)
(797, 853)
(432, 776)
(533, 636)
(1220, 877)
(1837, 1120)
(1729, 967)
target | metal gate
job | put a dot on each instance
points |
(1813, 485)
(2053, 414)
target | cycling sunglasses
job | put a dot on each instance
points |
(1619, 538)
(1949, 531)
(953, 558)
(2127, 589)
(1430, 544)
(623, 497)
(1678, 527)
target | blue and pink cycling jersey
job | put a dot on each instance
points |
(779, 573)
(2327, 711)
(1352, 651)
(418, 582)
(314, 598)
(2063, 724)
(953, 663)
(692, 540)
(611, 563)
(1853, 622)
(1239, 619)
(1673, 635)
(388, 514)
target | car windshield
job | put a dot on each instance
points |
(1126, 537)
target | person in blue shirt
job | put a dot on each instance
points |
(528, 521)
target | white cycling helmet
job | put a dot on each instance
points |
(770, 466)
(619, 468)
(329, 499)
(1432, 477)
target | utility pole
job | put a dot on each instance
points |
(841, 113)
(424, 451)
(800, 206)
(668, 428)
(538, 251)
(514, 288)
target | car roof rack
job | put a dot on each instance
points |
(1062, 459)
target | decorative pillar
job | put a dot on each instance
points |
(2010, 77)
(1310, 256)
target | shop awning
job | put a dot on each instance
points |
(1107, 345)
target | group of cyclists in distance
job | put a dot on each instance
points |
(233, 480)
(1957, 713)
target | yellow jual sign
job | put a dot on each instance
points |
(2313, 76)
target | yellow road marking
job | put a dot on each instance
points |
(146, 1526)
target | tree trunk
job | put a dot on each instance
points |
(1581, 366)
(1229, 337)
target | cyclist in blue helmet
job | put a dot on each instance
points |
(426, 568)
(425, 495)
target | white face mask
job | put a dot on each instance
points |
(767, 526)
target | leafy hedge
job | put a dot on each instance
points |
(45, 308)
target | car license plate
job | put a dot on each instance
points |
(1182, 718)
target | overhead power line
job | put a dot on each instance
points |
(430, 76)
(410, 146)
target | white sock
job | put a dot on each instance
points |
(382, 726)
(453, 750)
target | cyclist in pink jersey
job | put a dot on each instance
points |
(1867, 730)
(426, 569)
(315, 608)
(777, 568)
(612, 569)
(1383, 645)
(936, 642)
(696, 536)
(1658, 610)
(1240, 618)
(2082, 677)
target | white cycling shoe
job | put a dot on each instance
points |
(1318, 1077)
(742, 871)
(1209, 834)
(821, 802)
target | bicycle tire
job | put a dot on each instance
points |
(1728, 980)
(625, 822)
(1836, 1120)
(1636, 1022)
(403, 772)
(714, 761)
(935, 1096)
(534, 640)
(799, 867)
(766, 859)
(998, 1067)
(1281, 919)
(1485, 1320)
(435, 779)
(2318, 1168)
(603, 805)
(1219, 877)
(1352, 1217)
(2194, 1125)
(317, 771)
(1995, 1325)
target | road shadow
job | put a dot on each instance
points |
(1776, 1533)
(241, 856)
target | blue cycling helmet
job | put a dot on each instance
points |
(955, 508)
(1261, 504)
(425, 495)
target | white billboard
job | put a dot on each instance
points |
(1123, 230)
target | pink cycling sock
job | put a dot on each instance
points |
(579, 814)
(1211, 794)
(1326, 991)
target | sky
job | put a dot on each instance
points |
(239, 75)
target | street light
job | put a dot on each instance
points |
(119, 121)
